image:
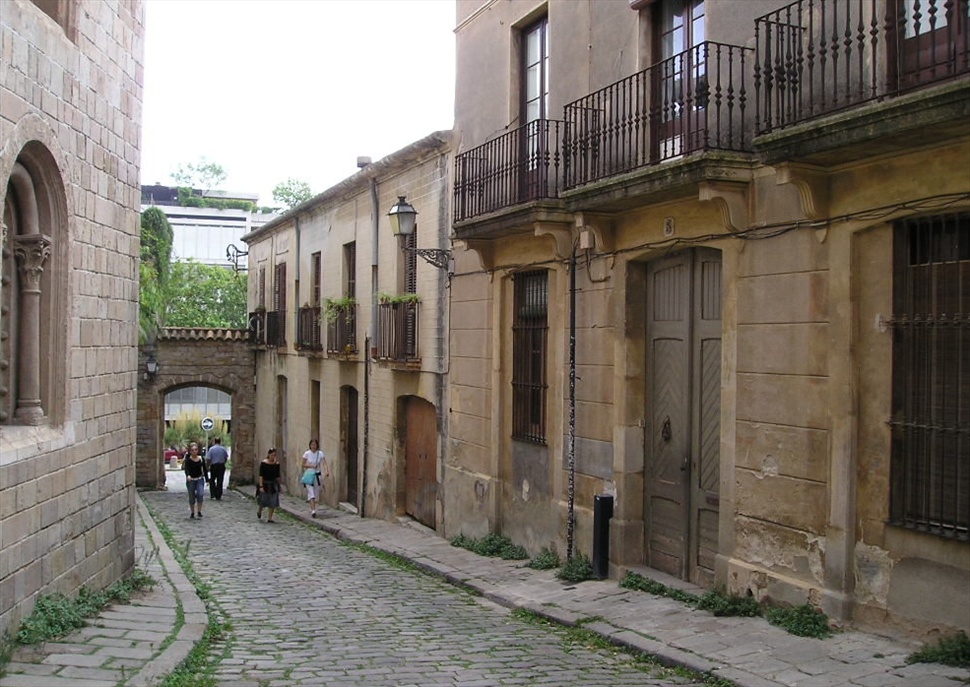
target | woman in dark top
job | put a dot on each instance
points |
(269, 485)
(196, 476)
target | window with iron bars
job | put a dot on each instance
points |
(530, 329)
(930, 479)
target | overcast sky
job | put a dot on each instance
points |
(277, 89)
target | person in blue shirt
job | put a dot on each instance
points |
(216, 456)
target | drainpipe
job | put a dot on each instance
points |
(372, 331)
(571, 447)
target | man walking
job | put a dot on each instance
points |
(217, 456)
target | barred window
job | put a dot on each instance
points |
(930, 487)
(529, 342)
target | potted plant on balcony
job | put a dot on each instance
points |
(332, 307)
(385, 297)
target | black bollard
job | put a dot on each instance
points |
(602, 512)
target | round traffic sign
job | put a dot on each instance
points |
(208, 424)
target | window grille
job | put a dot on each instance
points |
(930, 480)
(529, 343)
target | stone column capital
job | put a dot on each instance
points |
(31, 251)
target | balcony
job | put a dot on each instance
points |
(309, 335)
(397, 332)
(521, 166)
(257, 327)
(341, 328)
(692, 102)
(819, 57)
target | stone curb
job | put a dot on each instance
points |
(195, 616)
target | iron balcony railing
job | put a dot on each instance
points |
(342, 329)
(518, 167)
(817, 57)
(691, 102)
(397, 331)
(309, 336)
(257, 327)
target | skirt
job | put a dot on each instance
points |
(268, 499)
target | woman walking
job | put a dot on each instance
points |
(314, 464)
(269, 485)
(196, 475)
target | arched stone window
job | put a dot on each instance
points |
(32, 291)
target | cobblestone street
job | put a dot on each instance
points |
(306, 609)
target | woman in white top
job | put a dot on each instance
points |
(314, 460)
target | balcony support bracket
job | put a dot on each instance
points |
(562, 236)
(812, 184)
(731, 198)
(485, 250)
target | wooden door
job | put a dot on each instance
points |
(348, 441)
(421, 461)
(683, 411)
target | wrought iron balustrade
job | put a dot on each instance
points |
(691, 102)
(816, 57)
(342, 330)
(257, 327)
(520, 166)
(397, 331)
(309, 336)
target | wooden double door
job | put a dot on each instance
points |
(683, 367)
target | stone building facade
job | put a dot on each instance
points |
(350, 327)
(718, 269)
(70, 126)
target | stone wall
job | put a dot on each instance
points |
(70, 120)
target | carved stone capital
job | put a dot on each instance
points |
(31, 251)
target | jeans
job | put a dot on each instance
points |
(217, 472)
(196, 489)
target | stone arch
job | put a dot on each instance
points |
(215, 358)
(35, 232)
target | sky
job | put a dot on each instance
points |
(277, 89)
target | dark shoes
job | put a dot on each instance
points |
(200, 514)
(191, 516)
(259, 512)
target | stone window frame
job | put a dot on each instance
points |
(34, 283)
(63, 12)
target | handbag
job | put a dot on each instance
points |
(309, 476)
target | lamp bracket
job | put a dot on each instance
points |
(438, 257)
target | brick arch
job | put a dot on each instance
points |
(219, 358)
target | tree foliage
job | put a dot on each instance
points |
(200, 295)
(153, 271)
(291, 193)
(203, 175)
